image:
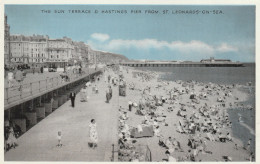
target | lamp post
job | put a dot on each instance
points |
(88, 70)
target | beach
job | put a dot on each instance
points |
(141, 115)
(187, 104)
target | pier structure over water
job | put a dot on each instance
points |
(29, 103)
(181, 64)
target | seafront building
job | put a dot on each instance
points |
(59, 52)
(7, 42)
(29, 50)
(80, 53)
(41, 51)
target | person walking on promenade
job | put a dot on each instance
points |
(41, 69)
(11, 141)
(96, 89)
(108, 78)
(93, 134)
(10, 79)
(72, 98)
(59, 139)
(110, 91)
(107, 95)
(83, 94)
(79, 71)
(19, 78)
(33, 69)
(105, 78)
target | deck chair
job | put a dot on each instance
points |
(210, 137)
(180, 130)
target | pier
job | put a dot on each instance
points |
(181, 64)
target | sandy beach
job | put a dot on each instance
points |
(193, 114)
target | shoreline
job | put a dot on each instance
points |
(248, 97)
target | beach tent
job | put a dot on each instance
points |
(147, 131)
(192, 96)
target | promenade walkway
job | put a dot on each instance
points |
(35, 85)
(39, 143)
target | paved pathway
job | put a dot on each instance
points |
(39, 143)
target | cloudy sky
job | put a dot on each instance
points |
(170, 35)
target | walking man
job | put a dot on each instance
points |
(107, 95)
(41, 69)
(72, 98)
(110, 91)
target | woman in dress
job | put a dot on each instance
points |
(93, 134)
(11, 141)
(84, 94)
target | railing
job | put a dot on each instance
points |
(22, 91)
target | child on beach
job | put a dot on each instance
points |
(229, 138)
(251, 157)
(236, 147)
(248, 144)
(59, 139)
(170, 158)
(96, 89)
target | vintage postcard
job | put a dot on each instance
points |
(169, 82)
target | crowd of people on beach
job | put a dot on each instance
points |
(203, 118)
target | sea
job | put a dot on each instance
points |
(221, 75)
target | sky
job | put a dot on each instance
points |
(152, 33)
